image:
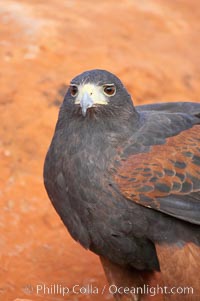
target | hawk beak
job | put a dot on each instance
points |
(85, 103)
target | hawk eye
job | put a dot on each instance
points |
(109, 90)
(73, 90)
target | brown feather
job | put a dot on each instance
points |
(181, 270)
(163, 170)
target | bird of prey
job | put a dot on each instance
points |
(125, 180)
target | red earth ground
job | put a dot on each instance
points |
(153, 46)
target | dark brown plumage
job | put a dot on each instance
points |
(126, 181)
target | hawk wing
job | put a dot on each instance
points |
(159, 168)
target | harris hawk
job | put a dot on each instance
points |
(125, 181)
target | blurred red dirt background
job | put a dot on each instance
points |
(153, 46)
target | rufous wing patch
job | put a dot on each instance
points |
(171, 168)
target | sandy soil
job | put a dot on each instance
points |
(153, 46)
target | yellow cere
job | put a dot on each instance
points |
(95, 92)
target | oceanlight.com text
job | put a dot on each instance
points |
(90, 289)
